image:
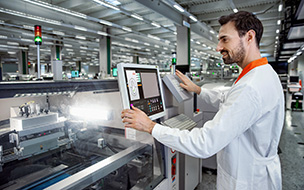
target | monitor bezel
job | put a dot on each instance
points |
(124, 91)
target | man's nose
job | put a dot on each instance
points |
(219, 47)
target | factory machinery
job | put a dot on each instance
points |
(69, 135)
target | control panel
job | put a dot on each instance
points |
(180, 94)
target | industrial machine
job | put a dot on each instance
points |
(69, 135)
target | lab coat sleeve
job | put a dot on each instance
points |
(213, 97)
(235, 116)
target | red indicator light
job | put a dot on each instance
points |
(38, 35)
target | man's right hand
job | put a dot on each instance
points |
(188, 84)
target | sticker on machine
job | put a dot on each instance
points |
(132, 84)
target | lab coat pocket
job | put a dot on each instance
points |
(227, 182)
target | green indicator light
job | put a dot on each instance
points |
(38, 40)
(213, 73)
(173, 60)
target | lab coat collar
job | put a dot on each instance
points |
(252, 65)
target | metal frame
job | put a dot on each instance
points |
(101, 169)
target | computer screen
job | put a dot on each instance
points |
(141, 86)
(75, 74)
(294, 79)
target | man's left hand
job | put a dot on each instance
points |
(137, 119)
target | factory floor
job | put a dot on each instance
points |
(291, 153)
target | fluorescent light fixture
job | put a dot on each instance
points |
(175, 33)
(127, 29)
(299, 53)
(28, 27)
(80, 28)
(277, 31)
(105, 22)
(198, 42)
(80, 37)
(157, 46)
(67, 45)
(204, 45)
(3, 37)
(13, 43)
(167, 41)
(147, 44)
(179, 8)
(212, 32)
(56, 8)
(48, 43)
(83, 47)
(280, 8)
(235, 10)
(11, 52)
(153, 37)
(113, 2)
(137, 16)
(278, 22)
(26, 40)
(155, 24)
(193, 18)
(102, 33)
(107, 5)
(135, 41)
(58, 33)
(165, 48)
(277, 37)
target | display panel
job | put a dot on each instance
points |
(294, 79)
(140, 86)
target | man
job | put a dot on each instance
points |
(246, 130)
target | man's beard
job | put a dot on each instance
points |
(238, 57)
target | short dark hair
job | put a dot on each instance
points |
(244, 21)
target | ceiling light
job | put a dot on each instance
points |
(277, 31)
(80, 37)
(56, 8)
(235, 10)
(147, 44)
(153, 37)
(107, 5)
(105, 22)
(3, 37)
(67, 45)
(178, 7)
(280, 8)
(299, 53)
(155, 24)
(278, 22)
(193, 18)
(80, 28)
(58, 33)
(277, 37)
(13, 43)
(11, 52)
(137, 17)
(102, 33)
(212, 32)
(127, 29)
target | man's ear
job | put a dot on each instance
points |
(251, 36)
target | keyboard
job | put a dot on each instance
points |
(181, 122)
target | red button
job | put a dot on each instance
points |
(174, 160)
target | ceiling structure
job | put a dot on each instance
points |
(143, 28)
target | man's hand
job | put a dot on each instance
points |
(137, 119)
(188, 84)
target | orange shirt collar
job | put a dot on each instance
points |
(252, 65)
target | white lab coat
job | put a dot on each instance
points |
(244, 133)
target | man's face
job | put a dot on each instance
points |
(230, 45)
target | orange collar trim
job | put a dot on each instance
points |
(252, 65)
